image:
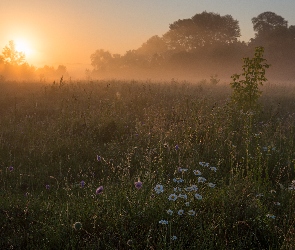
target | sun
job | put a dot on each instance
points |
(23, 46)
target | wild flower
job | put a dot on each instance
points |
(177, 189)
(99, 190)
(169, 211)
(98, 158)
(172, 197)
(82, 183)
(178, 180)
(138, 184)
(191, 188)
(292, 186)
(213, 169)
(77, 225)
(182, 170)
(159, 188)
(47, 186)
(197, 172)
(183, 196)
(277, 203)
(180, 212)
(198, 196)
(201, 179)
(271, 216)
(130, 243)
(211, 185)
(11, 168)
(163, 222)
(204, 164)
(191, 212)
(173, 237)
(176, 147)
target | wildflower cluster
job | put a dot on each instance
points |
(185, 193)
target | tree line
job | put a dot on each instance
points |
(13, 66)
(204, 44)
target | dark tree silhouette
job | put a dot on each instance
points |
(154, 45)
(202, 30)
(267, 22)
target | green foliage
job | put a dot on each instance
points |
(246, 91)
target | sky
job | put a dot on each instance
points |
(67, 32)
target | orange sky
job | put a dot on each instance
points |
(68, 31)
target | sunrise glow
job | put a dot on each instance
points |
(22, 45)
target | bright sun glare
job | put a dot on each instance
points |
(23, 46)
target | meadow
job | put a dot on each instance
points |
(145, 165)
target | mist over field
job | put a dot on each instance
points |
(195, 48)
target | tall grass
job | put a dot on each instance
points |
(59, 143)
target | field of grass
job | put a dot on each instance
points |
(177, 167)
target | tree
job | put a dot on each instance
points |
(154, 45)
(268, 22)
(12, 56)
(202, 30)
(246, 91)
(100, 59)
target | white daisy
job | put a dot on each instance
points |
(198, 196)
(169, 211)
(211, 185)
(197, 172)
(172, 197)
(191, 212)
(201, 179)
(159, 188)
(180, 212)
(184, 196)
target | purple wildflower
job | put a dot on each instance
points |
(11, 168)
(176, 147)
(82, 183)
(98, 158)
(99, 190)
(47, 186)
(138, 184)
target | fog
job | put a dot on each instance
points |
(205, 46)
